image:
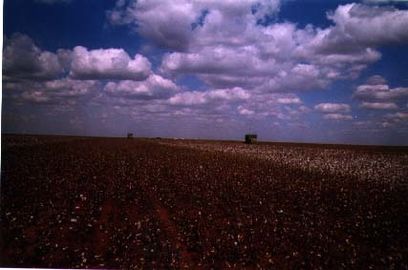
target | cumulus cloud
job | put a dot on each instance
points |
(332, 107)
(376, 94)
(379, 105)
(377, 89)
(384, 1)
(359, 26)
(250, 61)
(22, 59)
(251, 67)
(334, 111)
(113, 64)
(171, 24)
(264, 57)
(337, 116)
(53, 91)
(279, 106)
(399, 116)
(244, 111)
(394, 119)
(376, 80)
(200, 98)
(154, 87)
(35, 97)
(289, 100)
(70, 88)
(225, 45)
(217, 60)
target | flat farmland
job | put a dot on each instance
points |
(71, 202)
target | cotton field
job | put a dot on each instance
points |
(70, 202)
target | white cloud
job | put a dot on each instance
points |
(188, 98)
(227, 48)
(249, 55)
(167, 23)
(376, 80)
(222, 43)
(54, 91)
(22, 59)
(332, 107)
(379, 105)
(380, 92)
(273, 105)
(213, 96)
(399, 116)
(337, 116)
(376, 94)
(217, 60)
(249, 69)
(154, 87)
(289, 100)
(392, 120)
(334, 111)
(384, 1)
(69, 88)
(171, 23)
(364, 25)
(113, 64)
(35, 97)
(244, 111)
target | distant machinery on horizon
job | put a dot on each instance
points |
(251, 138)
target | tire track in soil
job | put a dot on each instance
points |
(171, 230)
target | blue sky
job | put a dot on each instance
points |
(288, 70)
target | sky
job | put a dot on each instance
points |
(287, 70)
